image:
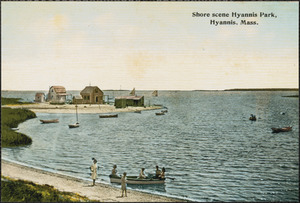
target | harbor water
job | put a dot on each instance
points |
(206, 142)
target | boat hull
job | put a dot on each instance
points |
(73, 125)
(50, 121)
(278, 130)
(135, 181)
(109, 116)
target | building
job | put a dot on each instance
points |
(39, 97)
(125, 101)
(92, 95)
(77, 99)
(57, 94)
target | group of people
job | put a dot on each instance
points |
(113, 172)
(160, 174)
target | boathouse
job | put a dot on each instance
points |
(57, 94)
(125, 101)
(92, 95)
(39, 97)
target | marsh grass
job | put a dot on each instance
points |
(11, 118)
(25, 191)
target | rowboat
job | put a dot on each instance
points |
(134, 180)
(50, 121)
(278, 130)
(108, 115)
(137, 111)
(160, 113)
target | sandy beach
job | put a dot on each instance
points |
(82, 108)
(99, 192)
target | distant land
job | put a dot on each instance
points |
(236, 89)
(265, 89)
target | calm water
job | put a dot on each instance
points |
(205, 142)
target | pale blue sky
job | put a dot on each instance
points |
(147, 45)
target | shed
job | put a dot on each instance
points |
(92, 95)
(77, 99)
(124, 101)
(39, 97)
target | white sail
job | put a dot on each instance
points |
(155, 93)
(132, 92)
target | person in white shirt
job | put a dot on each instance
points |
(94, 170)
(123, 184)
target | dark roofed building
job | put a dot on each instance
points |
(122, 102)
(92, 95)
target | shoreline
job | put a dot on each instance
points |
(99, 192)
(82, 108)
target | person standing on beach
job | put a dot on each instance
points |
(123, 184)
(94, 170)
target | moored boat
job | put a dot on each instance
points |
(137, 111)
(160, 113)
(278, 130)
(108, 115)
(252, 117)
(76, 125)
(134, 180)
(50, 121)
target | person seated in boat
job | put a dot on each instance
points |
(162, 174)
(142, 174)
(114, 170)
(157, 172)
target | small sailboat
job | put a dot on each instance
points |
(76, 125)
(132, 93)
(155, 93)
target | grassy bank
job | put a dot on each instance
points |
(11, 118)
(25, 191)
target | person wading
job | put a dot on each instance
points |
(94, 170)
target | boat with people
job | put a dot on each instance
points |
(252, 117)
(278, 130)
(108, 115)
(135, 180)
(49, 121)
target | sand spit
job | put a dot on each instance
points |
(100, 192)
(82, 108)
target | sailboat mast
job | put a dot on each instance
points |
(76, 114)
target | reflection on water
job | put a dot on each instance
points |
(205, 141)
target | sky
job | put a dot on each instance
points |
(148, 45)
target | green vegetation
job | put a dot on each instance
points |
(25, 191)
(11, 118)
(5, 101)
